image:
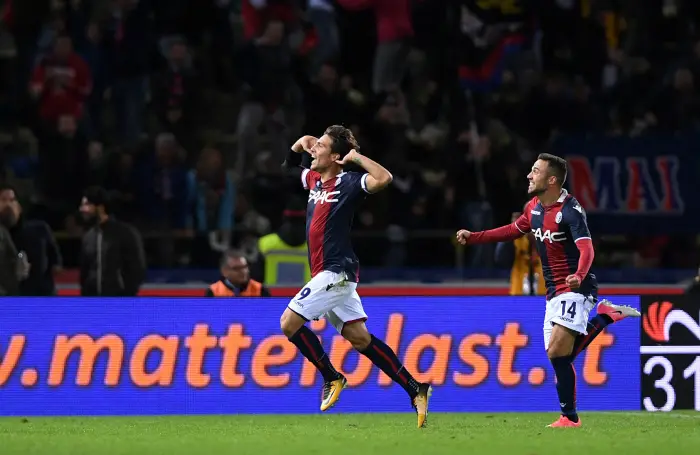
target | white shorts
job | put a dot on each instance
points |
(332, 296)
(570, 310)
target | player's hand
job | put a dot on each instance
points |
(304, 144)
(350, 157)
(307, 142)
(463, 236)
(573, 281)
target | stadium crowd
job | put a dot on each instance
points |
(184, 109)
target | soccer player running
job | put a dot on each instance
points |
(331, 293)
(563, 242)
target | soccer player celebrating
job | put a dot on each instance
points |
(563, 242)
(331, 293)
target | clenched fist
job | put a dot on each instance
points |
(463, 236)
(573, 281)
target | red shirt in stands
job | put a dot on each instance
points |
(62, 86)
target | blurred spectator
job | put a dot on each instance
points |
(121, 181)
(268, 76)
(175, 93)
(35, 243)
(163, 181)
(322, 15)
(487, 86)
(394, 30)
(250, 226)
(235, 279)
(54, 27)
(63, 153)
(326, 102)
(97, 167)
(92, 50)
(211, 199)
(61, 82)
(25, 19)
(112, 261)
(257, 13)
(161, 177)
(130, 46)
(678, 105)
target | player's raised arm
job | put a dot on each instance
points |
(378, 176)
(296, 152)
(512, 231)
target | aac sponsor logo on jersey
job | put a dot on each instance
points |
(322, 197)
(549, 235)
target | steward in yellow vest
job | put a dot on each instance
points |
(284, 254)
(235, 279)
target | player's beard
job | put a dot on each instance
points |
(536, 191)
(318, 167)
(90, 220)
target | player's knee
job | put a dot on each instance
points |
(357, 335)
(561, 342)
(557, 349)
(361, 342)
(290, 323)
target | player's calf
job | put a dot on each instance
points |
(308, 344)
(561, 345)
(385, 358)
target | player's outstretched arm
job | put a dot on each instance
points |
(379, 177)
(501, 234)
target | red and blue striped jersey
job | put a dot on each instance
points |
(329, 216)
(556, 229)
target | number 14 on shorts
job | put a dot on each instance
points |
(571, 310)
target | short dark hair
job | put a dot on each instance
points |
(231, 254)
(556, 166)
(343, 140)
(98, 196)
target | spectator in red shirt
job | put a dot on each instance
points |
(394, 29)
(61, 82)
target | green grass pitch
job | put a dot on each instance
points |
(623, 433)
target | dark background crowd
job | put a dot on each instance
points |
(184, 109)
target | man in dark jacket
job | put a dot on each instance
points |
(112, 259)
(9, 279)
(39, 256)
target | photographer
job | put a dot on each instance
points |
(112, 259)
